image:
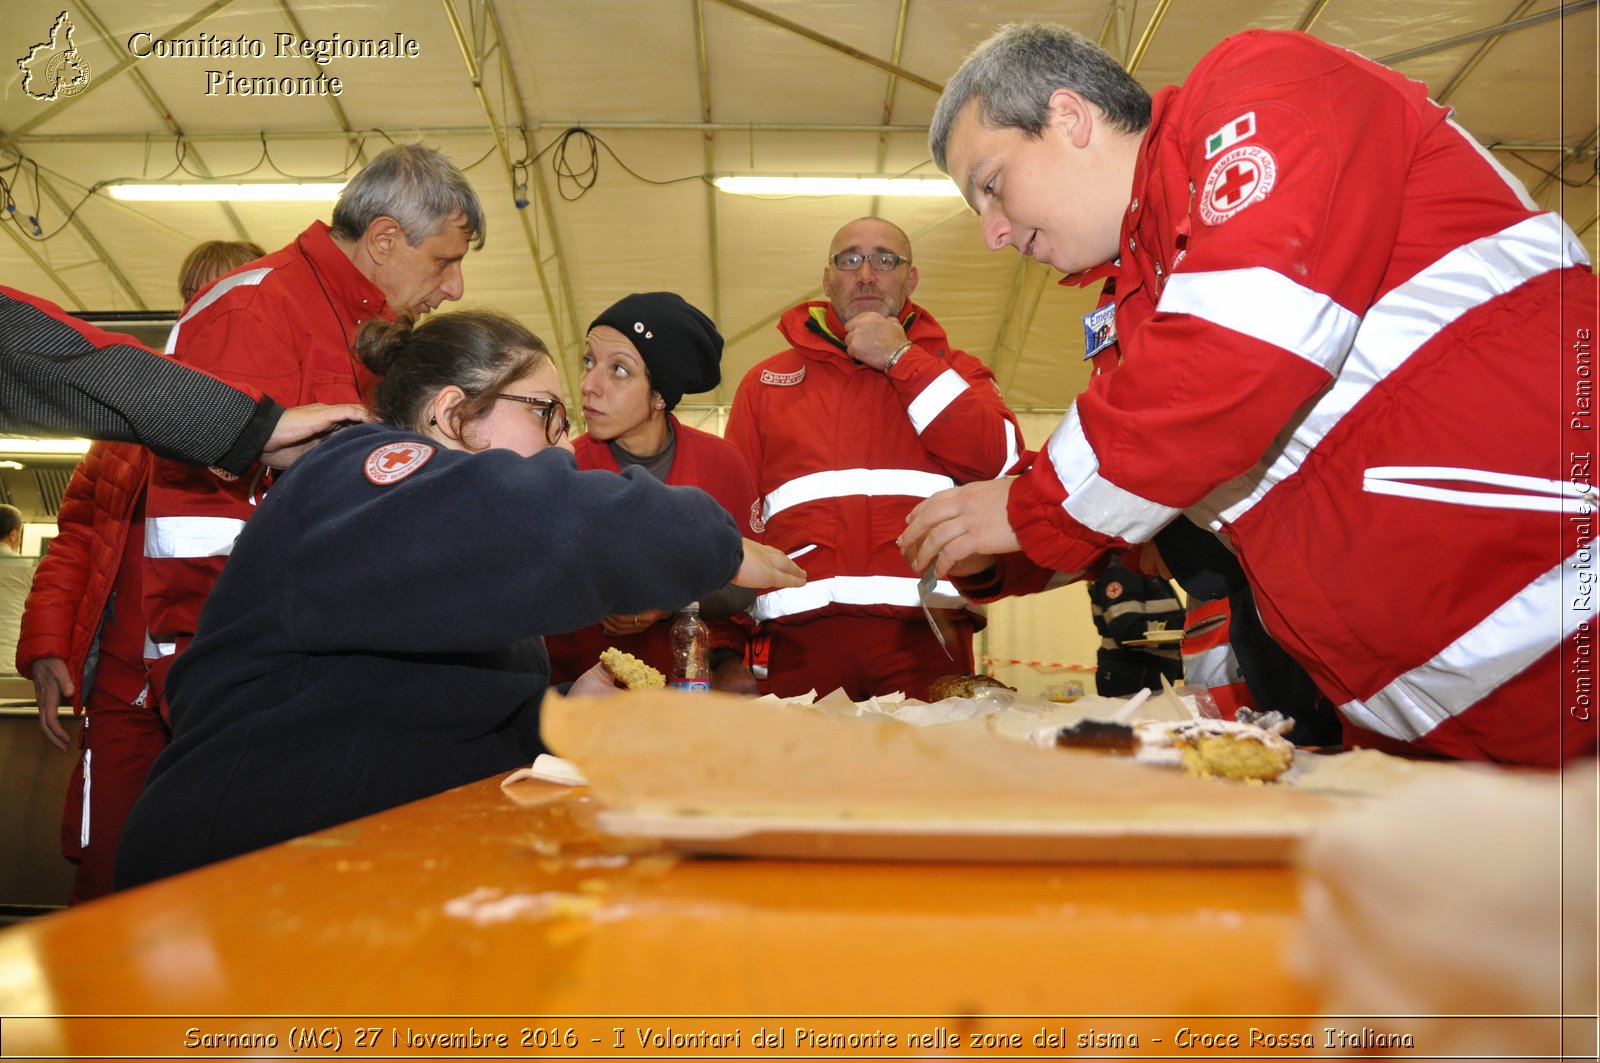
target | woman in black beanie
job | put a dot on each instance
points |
(641, 356)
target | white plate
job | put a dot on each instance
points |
(1156, 638)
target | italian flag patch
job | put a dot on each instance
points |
(1239, 129)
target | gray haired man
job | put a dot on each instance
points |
(282, 326)
(1336, 320)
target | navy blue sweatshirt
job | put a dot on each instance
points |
(375, 635)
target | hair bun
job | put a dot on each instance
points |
(380, 343)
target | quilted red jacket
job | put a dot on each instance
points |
(74, 579)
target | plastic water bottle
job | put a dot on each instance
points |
(691, 651)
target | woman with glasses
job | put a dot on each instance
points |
(375, 635)
(640, 357)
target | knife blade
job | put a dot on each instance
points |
(925, 587)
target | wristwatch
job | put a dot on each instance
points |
(896, 356)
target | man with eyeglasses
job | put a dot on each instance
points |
(283, 325)
(869, 411)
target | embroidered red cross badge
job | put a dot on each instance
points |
(1241, 177)
(395, 461)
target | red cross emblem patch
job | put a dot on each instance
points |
(1241, 177)
(395, 461)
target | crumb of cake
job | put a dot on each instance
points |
(631, 672)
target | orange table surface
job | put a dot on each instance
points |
(471, 903)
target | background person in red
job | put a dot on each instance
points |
(1345, 337)
(640, 357)
(83, 632)
(284, 326)
(869, 411)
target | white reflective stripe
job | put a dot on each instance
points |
(1132, 605)
(1498, 648)
(945, 388)
(1013, 451)
(154, 650)
(1266, 305)
(1094, 501)
(844, 483)
(246, 279)
(1215, 667)
(853, 590)
(83, 825)
(1539, 494)
(1061, 579)
(1517, 187)
(1397, 326)
(190, 536)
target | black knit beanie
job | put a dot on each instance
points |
(681, 348)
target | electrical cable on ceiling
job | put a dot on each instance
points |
(1594, 169)
(583, 176)
(32, 229)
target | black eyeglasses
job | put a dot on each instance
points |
(882, 261)
(551, 411)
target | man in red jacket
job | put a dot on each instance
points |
(1349, 346)
(869, 411)
(283, 325)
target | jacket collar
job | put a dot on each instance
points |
(347, 286)
(815, 328)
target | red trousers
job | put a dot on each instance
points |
(119, 742)
(864, 656)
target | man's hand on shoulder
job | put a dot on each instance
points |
(303, 427)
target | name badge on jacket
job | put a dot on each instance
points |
(1099, 330)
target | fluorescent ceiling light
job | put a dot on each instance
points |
(195, 192)
(801, 185)
(61, 447)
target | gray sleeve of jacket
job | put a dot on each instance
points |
(60, 379)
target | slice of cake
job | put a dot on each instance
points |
(1222, 748)
(1105, 736)
(1206, 747)
(631, 672)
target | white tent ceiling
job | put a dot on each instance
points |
(673, 91)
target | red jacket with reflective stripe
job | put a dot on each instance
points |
(841, 453)
(282, 324)
(700, 460)
(1341, 322)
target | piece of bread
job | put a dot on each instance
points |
(631, 672)
(962, 686)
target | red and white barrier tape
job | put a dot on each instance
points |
(1054, 666)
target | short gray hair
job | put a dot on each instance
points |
(1013, 74)
(417, 186)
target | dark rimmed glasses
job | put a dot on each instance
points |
(553, 412)
(882, 261)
